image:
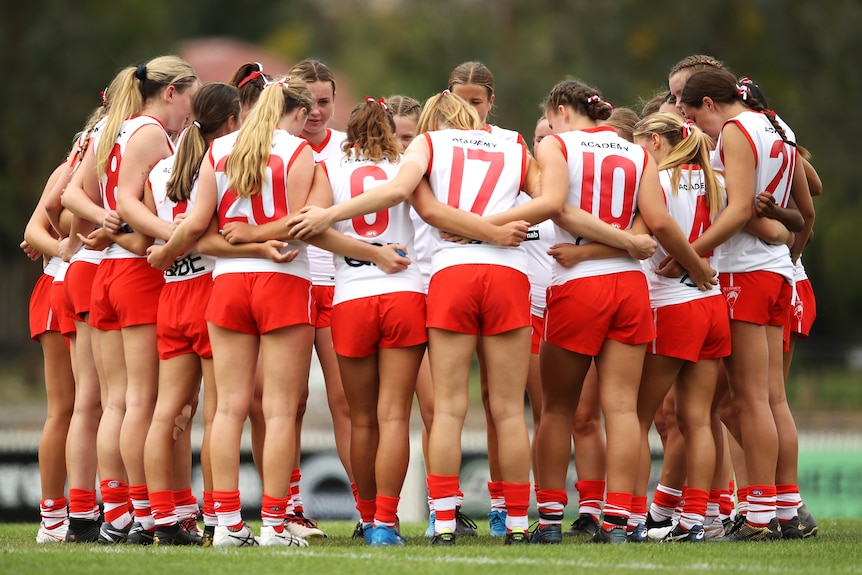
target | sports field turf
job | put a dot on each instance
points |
(837, 549)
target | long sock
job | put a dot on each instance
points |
(639, 512)
(551, 504)
(355, 491)
(498, 499)
(163, 507)
(694, 510)
(664, 502)
(787, 501)
(82, 503)
(53, 512)
(725, 504)
(591, 494)
(385, 514)
(295, 493)
(227, 509)
(742, 500)
(115, 497)
(713, 509)
(273, 511)
(761, 505)
(210, 519)
(517, 501)
(186, 504)
(617, 509)
(367, 509)
(443, 490)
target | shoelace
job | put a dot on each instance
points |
(459, 516)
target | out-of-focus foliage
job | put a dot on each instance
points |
(56, 57)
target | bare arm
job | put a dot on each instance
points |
(145, 148)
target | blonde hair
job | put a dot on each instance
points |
(446, 110)
(132, 88)
(689, 145)
(246, 164)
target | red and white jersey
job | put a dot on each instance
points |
(423, 247)
(604, 176)
(109, 180)
(688, 207)
(356, 279)
(799, 273)
(775, 162)
(269, 204)
(510, 135)
(475, 171)
(52, 268)
(88, 255)
(320, 260)
(192, 263)
(540, 238)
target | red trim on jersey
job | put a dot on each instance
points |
(523, 167)
(430, 153)
(563, 146)
(747, 136)
(319, 148)
(598, 129)
(325, 171)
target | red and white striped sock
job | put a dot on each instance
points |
(295, 493)
(618, 507)
(115, 498)
(761, 505)
(82, 504)
(385, 514)
(517, 502)
(788, 501)
(273, 511)
(638, 513)
(53, 512)
(141, 503)
(664, 502)
(227, 508)
(551, 503)
(444, 490)
(163, 507)
(694, 509)
(591, 494)
(498, 498)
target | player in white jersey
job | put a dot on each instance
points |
(757, 155)
(475, 171)
(474, 82)
(597, 308)
(48, 328)
(378, 321)
(692, 328)
(151, 101)
(185, 353)
(325, 143)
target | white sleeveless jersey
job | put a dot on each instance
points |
(510, 135)
(356, 279)
(775, 162)
(53, 266)
(540, 238)
(423, 247)
(320, 260)
(87, 255)
(604, 176)
(270, 204)
(108, 181)
(799, 273)
(688, 207)
(191, 264)
(479, 172)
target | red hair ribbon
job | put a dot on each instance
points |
(686, 129)
(381, 101)
(742, 91)
(249, 78)
(283, 82)
(104, 97)
(593, 99)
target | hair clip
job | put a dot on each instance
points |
(198, 124)
(141, 72)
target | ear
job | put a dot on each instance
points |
(169, 93)
(491, 101)
(656, 141)
(709, 103)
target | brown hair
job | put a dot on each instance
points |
(250, 80)
(581, 98)
(472, 73)
(213, 105)
(623, 120)
(721, 87)
(404, 106)
(313, 71)
(371, 132)
(696, 63)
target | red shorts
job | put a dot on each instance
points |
(479, 299)
(79, 288)
(42, 317)
(257, 303)
(321, 305)
(801, 314)
(583, 313)
(58, 306)
(125, 293)
(362, 326)
(181, 326)
(761, 298)
(694, 330)
(537, 332)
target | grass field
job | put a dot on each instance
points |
(837, 549)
